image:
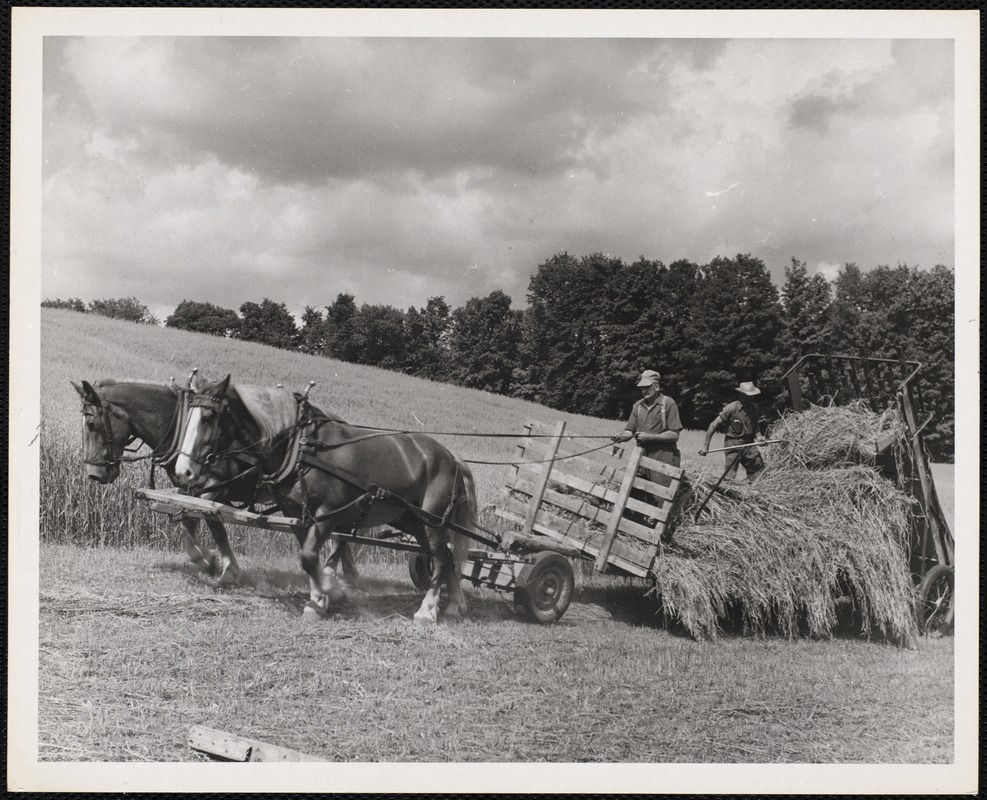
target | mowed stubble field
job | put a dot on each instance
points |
(136, 647)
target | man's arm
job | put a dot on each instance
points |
(709, 434)
(629, 429)
(672, 427)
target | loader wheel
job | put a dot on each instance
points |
(935, 601)
(544, 588)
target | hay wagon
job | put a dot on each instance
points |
(883, 383)
(590, 510)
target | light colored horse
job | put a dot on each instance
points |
(345, 478)
(118, 413)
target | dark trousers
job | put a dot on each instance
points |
(748, 457)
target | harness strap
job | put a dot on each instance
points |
(292, 451)
(373, 493)
(170, 453)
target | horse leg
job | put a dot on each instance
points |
(230, 569)
(457, 608)
(341, 551)
(434, 540)
(323, 585)
(203, 560)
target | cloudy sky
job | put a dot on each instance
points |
(397, 169)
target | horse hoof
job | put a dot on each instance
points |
(313, 611)
(229, 578)
(425, 619)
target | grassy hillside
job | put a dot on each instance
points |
(81, 346)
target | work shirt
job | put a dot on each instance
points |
(741, 423)
(662, 416)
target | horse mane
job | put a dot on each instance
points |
(274, 410)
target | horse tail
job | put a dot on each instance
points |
(463, 515)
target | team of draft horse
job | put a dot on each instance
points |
(255, 446)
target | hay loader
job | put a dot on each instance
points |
(881, 383)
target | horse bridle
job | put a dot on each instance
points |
(107, 410)
(223, 452)
(217, 406)
(105, 428)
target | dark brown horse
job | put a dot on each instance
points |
(118, 413)
(344, 478)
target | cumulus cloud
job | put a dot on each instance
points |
(226, 170)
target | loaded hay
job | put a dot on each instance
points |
(820, 524)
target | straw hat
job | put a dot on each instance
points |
(748, 388)
(648, 377)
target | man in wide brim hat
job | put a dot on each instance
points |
(742, 418)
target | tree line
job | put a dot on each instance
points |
(593, 323)
(127, 308)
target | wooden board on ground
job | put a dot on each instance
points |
(230, 747)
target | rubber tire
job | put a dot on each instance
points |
(935, 593)
(544, 588)
(418, 569)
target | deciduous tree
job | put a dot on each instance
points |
(128, 308)
(483, 343)
(72, 304)
(190, 315)
(268, 323)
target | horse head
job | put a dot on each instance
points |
(208, 433)
(106, 432)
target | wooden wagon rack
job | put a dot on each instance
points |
(592, 503)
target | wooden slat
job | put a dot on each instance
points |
(602, 516)
(231, 747)
(534, 426)
(580, 484)
(544, 473)
(571, 454)
(582, 537)
(621, 557)
(661, 513)
(578, 505)
(618, 508)
(662, 467)
(666, 493)
(538, 542)
(207, 509)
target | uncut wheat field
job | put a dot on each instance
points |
(136, 647)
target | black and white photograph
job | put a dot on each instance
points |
(487, 400)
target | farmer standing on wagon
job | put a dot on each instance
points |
(654, 423)
(742, 418)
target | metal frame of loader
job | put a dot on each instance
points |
(881, 382)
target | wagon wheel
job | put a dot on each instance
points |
(935, 601)
(420, 570)
(544, 588)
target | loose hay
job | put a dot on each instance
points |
(834, 436)
(821, 523)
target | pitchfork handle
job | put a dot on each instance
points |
(711, 492)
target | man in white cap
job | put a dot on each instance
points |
(742, 418)
(654, 423)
